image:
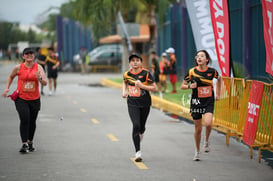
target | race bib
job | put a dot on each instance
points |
(134, 91)
(29, 86)
(204, 91)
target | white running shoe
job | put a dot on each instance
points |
(206, 147)
(138, 157)
(50, 93)
(196, 156)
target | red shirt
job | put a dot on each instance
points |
(28, 84)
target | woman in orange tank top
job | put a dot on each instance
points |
(28, 101)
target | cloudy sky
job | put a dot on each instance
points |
(26, 11)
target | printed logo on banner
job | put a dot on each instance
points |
(268, 33)
(220, 23)
(254, 104)
(200, 18)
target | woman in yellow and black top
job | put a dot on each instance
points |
(52, 64)
(200, 80)
(139, 82)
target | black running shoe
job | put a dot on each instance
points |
(30, 147)
(24, 148)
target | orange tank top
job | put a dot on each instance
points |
(28, 84)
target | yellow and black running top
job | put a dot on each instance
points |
(204, 80)
(138, 97)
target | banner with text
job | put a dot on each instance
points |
(268, 33)
(199, 13)
(220, 24)
(254, 104)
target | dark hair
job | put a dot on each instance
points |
(207, 56)
(50, 49)
(153, 52)
(37, 49)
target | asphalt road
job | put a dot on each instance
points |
(84, 133)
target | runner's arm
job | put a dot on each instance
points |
(41, 76)
(10, 79)
(124, 86)
(152, 87)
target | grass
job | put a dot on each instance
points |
(182, 97)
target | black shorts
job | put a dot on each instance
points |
(52, 73)
(198, 111)
(156, 77)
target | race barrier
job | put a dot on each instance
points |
(235, 112)
(230, 108)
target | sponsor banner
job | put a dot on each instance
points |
(254, 105)
(268, 33)
(220, 24)
(199, 13)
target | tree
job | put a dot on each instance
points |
(102, 15)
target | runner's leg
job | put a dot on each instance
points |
(197, 133)
(134, 114)
(208, 124)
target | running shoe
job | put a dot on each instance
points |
(196, 156)
(174, 92)
(206, 147)
(50, 93)
(24, 148)
(30, 147)
(138, 157)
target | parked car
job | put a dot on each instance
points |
(106, 57)
(116, 47)
(103, 53)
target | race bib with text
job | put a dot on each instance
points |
(29, 86)
(204, 91)
(134, 91)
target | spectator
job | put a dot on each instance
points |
(172, 69)
(83, 54)
(155, 68)
(163, 66)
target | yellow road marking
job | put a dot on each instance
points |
(95, 121)
(74, 102)
(112, 137)
(83, 110)
(140, 165)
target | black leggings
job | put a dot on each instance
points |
(138, 117)
(28, 112)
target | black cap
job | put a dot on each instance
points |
(135, 55)
(27, 50)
